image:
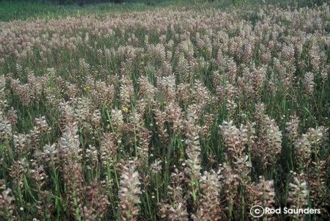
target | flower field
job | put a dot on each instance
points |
(166, 115)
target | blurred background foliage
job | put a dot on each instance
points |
(23, 9)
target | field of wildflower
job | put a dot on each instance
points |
(168, 114)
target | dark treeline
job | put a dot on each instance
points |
(65, 2)
(82, 2)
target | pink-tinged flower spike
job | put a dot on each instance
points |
(7, 204)
(308, 83)
(175, 206)
(298, 192)
(209, 202)
(129, 192)
(292, 128)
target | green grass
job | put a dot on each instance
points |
(24, 10)
(29, 10)
(20, 9)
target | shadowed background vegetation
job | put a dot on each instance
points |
(24, 9)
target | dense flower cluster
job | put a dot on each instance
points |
(219, 112)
